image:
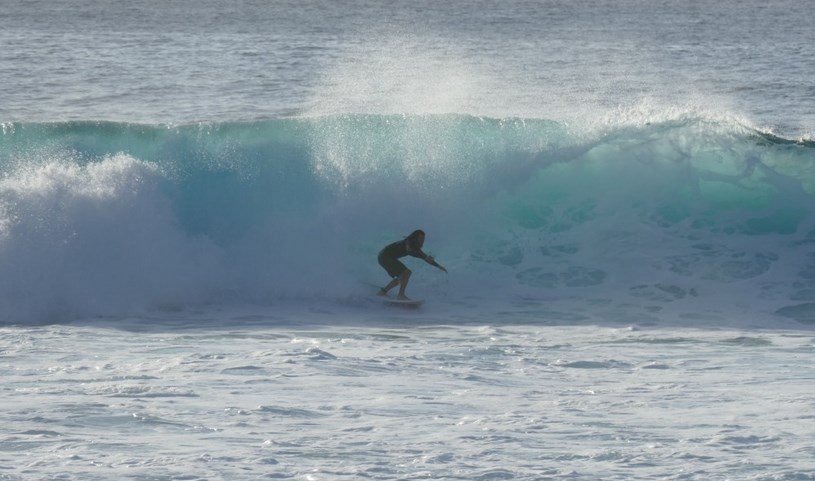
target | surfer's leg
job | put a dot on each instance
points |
(403, 282)
(395, 269)
(393, 283)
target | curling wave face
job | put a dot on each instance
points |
(112, 219)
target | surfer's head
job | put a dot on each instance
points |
(416, 238)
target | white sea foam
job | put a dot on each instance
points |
(389, 402)
(81, 240)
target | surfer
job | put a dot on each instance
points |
(389, 260)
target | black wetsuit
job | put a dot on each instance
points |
(388, 257)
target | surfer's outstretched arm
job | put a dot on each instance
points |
(430, 260)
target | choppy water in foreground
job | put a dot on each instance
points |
(401, 401)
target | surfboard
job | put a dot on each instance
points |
(411, 304)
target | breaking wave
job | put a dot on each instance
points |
(111, 219)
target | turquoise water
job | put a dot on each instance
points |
(108, 218)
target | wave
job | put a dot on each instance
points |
(111, 219)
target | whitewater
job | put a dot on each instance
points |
(193, 196)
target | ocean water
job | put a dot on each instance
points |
(193, 195)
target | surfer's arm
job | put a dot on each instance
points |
(430, 260)
(417, 252)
